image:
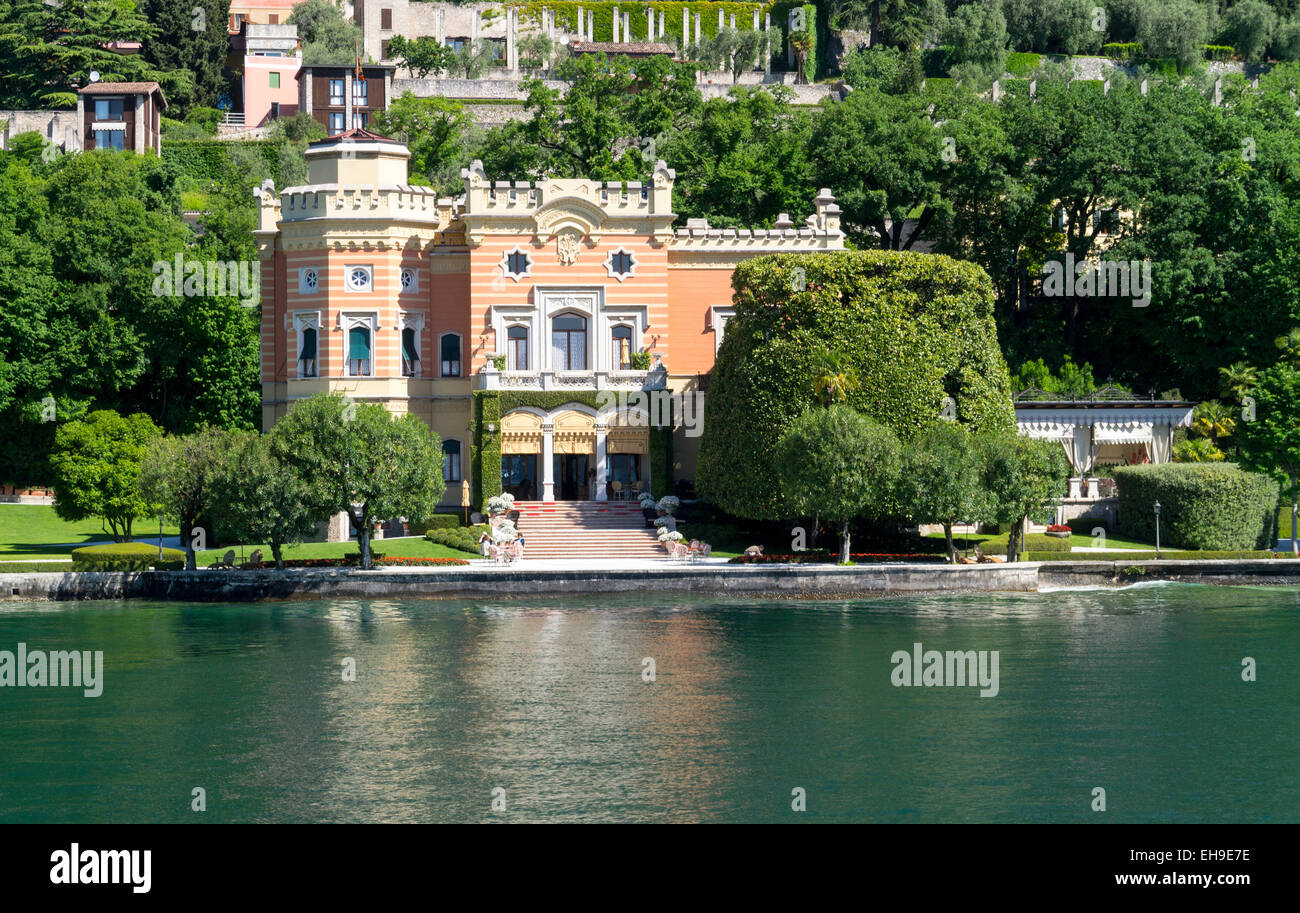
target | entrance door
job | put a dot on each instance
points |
(519, 475)
(570, 474)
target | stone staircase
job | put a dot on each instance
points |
(586, 529)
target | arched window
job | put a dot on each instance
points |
(449, 349)
(451, 461)
(621, 354)
(358, 352)
(517, 349)
(410, 353)
(307, 353)
(569, 343)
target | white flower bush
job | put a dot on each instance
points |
(669, 535)
(669, 504)
(500, 504)
(504, 532)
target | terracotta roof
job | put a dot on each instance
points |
(357, 133)
(621, 47)
(124, 88)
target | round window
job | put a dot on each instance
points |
(359, 279)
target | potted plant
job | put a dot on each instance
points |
(1059, 531)
(639, 361)
(498, 362)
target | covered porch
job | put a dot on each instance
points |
(1109, 428)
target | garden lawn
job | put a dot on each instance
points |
(1036, 542)
(33, 531)
(405, 547)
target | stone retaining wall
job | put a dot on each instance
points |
(791, 581)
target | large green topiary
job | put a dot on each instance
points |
(1213, 506)
(915, 328)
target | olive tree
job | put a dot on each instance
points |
(360, 459)
(179, 475)
(1021, 477)
(261, 498)
(941, 480)
(839, 464)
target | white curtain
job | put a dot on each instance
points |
(1162, 444)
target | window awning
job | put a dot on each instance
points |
(1046, 430)
(358, 345)
(1122, 432)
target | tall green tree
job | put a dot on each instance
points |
(190, 35)
(327, 35)
(838, 464)
(435, 130)
(260, 498)
(96, 469)
(941, 480)
(47, 51)
(179, 475)
(1021, 477)
(1270, 443)
(361, 460)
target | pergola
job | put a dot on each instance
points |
(1106, 428)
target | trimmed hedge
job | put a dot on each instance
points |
(126, 556)
(35, 567)
(1218, 51)
(915, 328)
(1165, 555)
(1122, 50)
(1022, 64)
(462, 538)
(1204, 506)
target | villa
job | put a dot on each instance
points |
(507, 319)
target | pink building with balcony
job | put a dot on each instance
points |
(272, 57)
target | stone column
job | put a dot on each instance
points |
(697, 28)
(767, 44)
(440, 27)
(347, 106)
(512, 41)
(649, 25)
(614, 26)
(548, 458)
(137, 140)
(475, 23)
(661, 27)
(591, 25)
(686, 27)
(720, 20)
(627, 27)
(601, 460)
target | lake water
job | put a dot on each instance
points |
(1136, 691)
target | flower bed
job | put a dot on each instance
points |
(820, 557)
(352, 561)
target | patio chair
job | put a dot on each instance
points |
(617, 489)
(515, 550)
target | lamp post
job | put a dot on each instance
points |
(160, 537)
(1156, 508)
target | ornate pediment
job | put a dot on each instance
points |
(572, 214)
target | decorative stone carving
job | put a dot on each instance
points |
(567, 246)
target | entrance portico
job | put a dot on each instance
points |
(565, 454)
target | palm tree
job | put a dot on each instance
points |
(1236, 379)
(833, 378)
(1213, 420)
(1197, 450)
(1290, 346)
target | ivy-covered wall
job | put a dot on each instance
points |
(490, 405)
(210, 159)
